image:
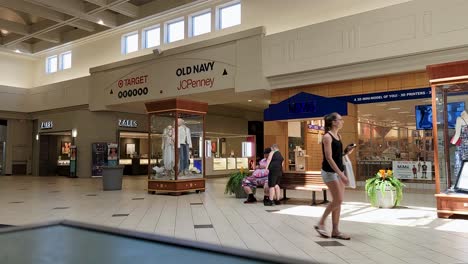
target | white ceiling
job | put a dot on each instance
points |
(31, 26)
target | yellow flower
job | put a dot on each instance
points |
(389, 173)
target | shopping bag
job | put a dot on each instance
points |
(349, 172)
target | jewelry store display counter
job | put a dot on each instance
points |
(63, 167)
(225, 166)
(136, 166)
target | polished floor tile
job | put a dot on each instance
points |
(411, 233)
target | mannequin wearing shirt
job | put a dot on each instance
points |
(462, 120)
(460, 139)
(184, 144)
(168, 148)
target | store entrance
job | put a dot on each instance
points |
(54, 153)
(396, 135)
(133, 152)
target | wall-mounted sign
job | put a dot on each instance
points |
(388, 96)
(132, 86)
(207, 81)
(128, 123)
(47, 125)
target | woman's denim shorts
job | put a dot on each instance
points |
(329, 176)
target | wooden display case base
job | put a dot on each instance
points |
(451, 204)
(176, 187)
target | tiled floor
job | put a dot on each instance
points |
(409, 234)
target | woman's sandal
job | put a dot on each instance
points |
(341, 236)
(321, 232)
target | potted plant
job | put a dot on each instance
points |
(234, 184)
(384, 190)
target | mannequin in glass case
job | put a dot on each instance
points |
(460, 139)
(184, 145)
(168, 148)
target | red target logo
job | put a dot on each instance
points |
(120, 83)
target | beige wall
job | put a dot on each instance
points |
(58, 95)
(13, 99)
(227, 125)
(410, 36)
(19, 144)
(300, 13)
(16, 71)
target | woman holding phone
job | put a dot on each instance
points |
(333, 174)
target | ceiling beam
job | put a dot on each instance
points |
(46, 13)
(14, 27)
(125, 9)
(76, 8)
(25, 30)
(23, 47)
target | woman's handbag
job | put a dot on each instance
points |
(349, 172)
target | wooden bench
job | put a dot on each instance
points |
(304, 181)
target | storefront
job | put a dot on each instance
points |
(78, 142)
(55, 151)
(228, 153)
(391, 126)
(133, 148)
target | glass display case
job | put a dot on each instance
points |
(177, 130)
(449, 83)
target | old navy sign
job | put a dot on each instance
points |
(387, 96)
(47, 125)
(195, 82)
(128, 123)
(303, 107)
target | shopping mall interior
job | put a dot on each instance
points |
(129, 130)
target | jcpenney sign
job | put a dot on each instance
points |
(127, 123)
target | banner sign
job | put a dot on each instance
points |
(388, 96)
(412, 170)
(112, 154)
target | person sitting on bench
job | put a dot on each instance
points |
(259, 178)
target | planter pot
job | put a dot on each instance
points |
(112, 177)
(387, 200)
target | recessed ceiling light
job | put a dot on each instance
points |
(4, 32)
(17, 51)
(393, 108)
(100, 22)
(249, 101)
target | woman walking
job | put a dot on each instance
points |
(275, 164)
(333, 174)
